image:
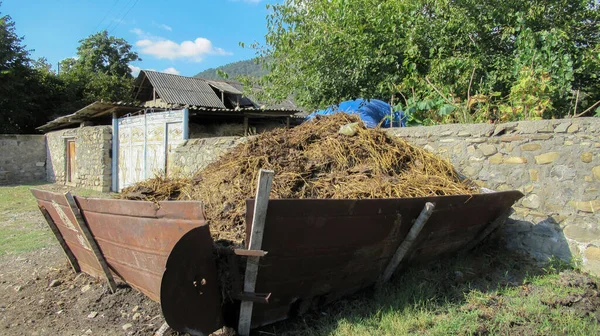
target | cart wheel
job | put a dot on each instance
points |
(190, 297)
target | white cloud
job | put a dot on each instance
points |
(166, 49)
(134, 70)
(138, 31)
(163, 48)
(162, 26)
(171, 71)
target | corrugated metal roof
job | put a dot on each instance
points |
(99, 109)
(174, 89)
(224, 86)
(94, 110)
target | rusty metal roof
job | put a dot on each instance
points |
(175, 89)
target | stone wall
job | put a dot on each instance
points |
(22, 158)
(555, 163)
(92, 157)
(196, 154)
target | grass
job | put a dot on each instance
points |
(22, 227)
(491, 292)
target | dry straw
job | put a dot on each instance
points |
(310, 161)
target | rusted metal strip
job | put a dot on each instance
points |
(80, 222)
(263, 190)
(407, 243)
(61, 240)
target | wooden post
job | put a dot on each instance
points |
(61, 240)
(287, 122)
(407, 243)
(261, 202)
(82, 225)
(489, 229)
(245, 126)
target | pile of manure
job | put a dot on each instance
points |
(313, 160)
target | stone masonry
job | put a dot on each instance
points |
(92, 157)
(23, 159)
(555, 163)
(196, 154)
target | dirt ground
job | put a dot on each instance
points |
(41, 295)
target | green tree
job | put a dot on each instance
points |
(32, 94)
(100, 71)
(446, 60)
(18, 106)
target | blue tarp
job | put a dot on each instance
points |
(371, 112)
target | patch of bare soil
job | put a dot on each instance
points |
(583, 304)
(41, 295)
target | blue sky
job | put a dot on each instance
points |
(182, 37)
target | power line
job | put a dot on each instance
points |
(114, 22)
(124, 16)
(105, 16)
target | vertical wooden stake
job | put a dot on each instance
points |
(261, 202)
(80, 222)
(407, 243)
(61, 240)
(245, 126)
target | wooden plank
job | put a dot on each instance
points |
(265, 178)
(407, 243)
(61, 240)
(82, 225)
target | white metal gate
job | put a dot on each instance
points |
(146, 145)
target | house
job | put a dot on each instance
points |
(106, 146)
